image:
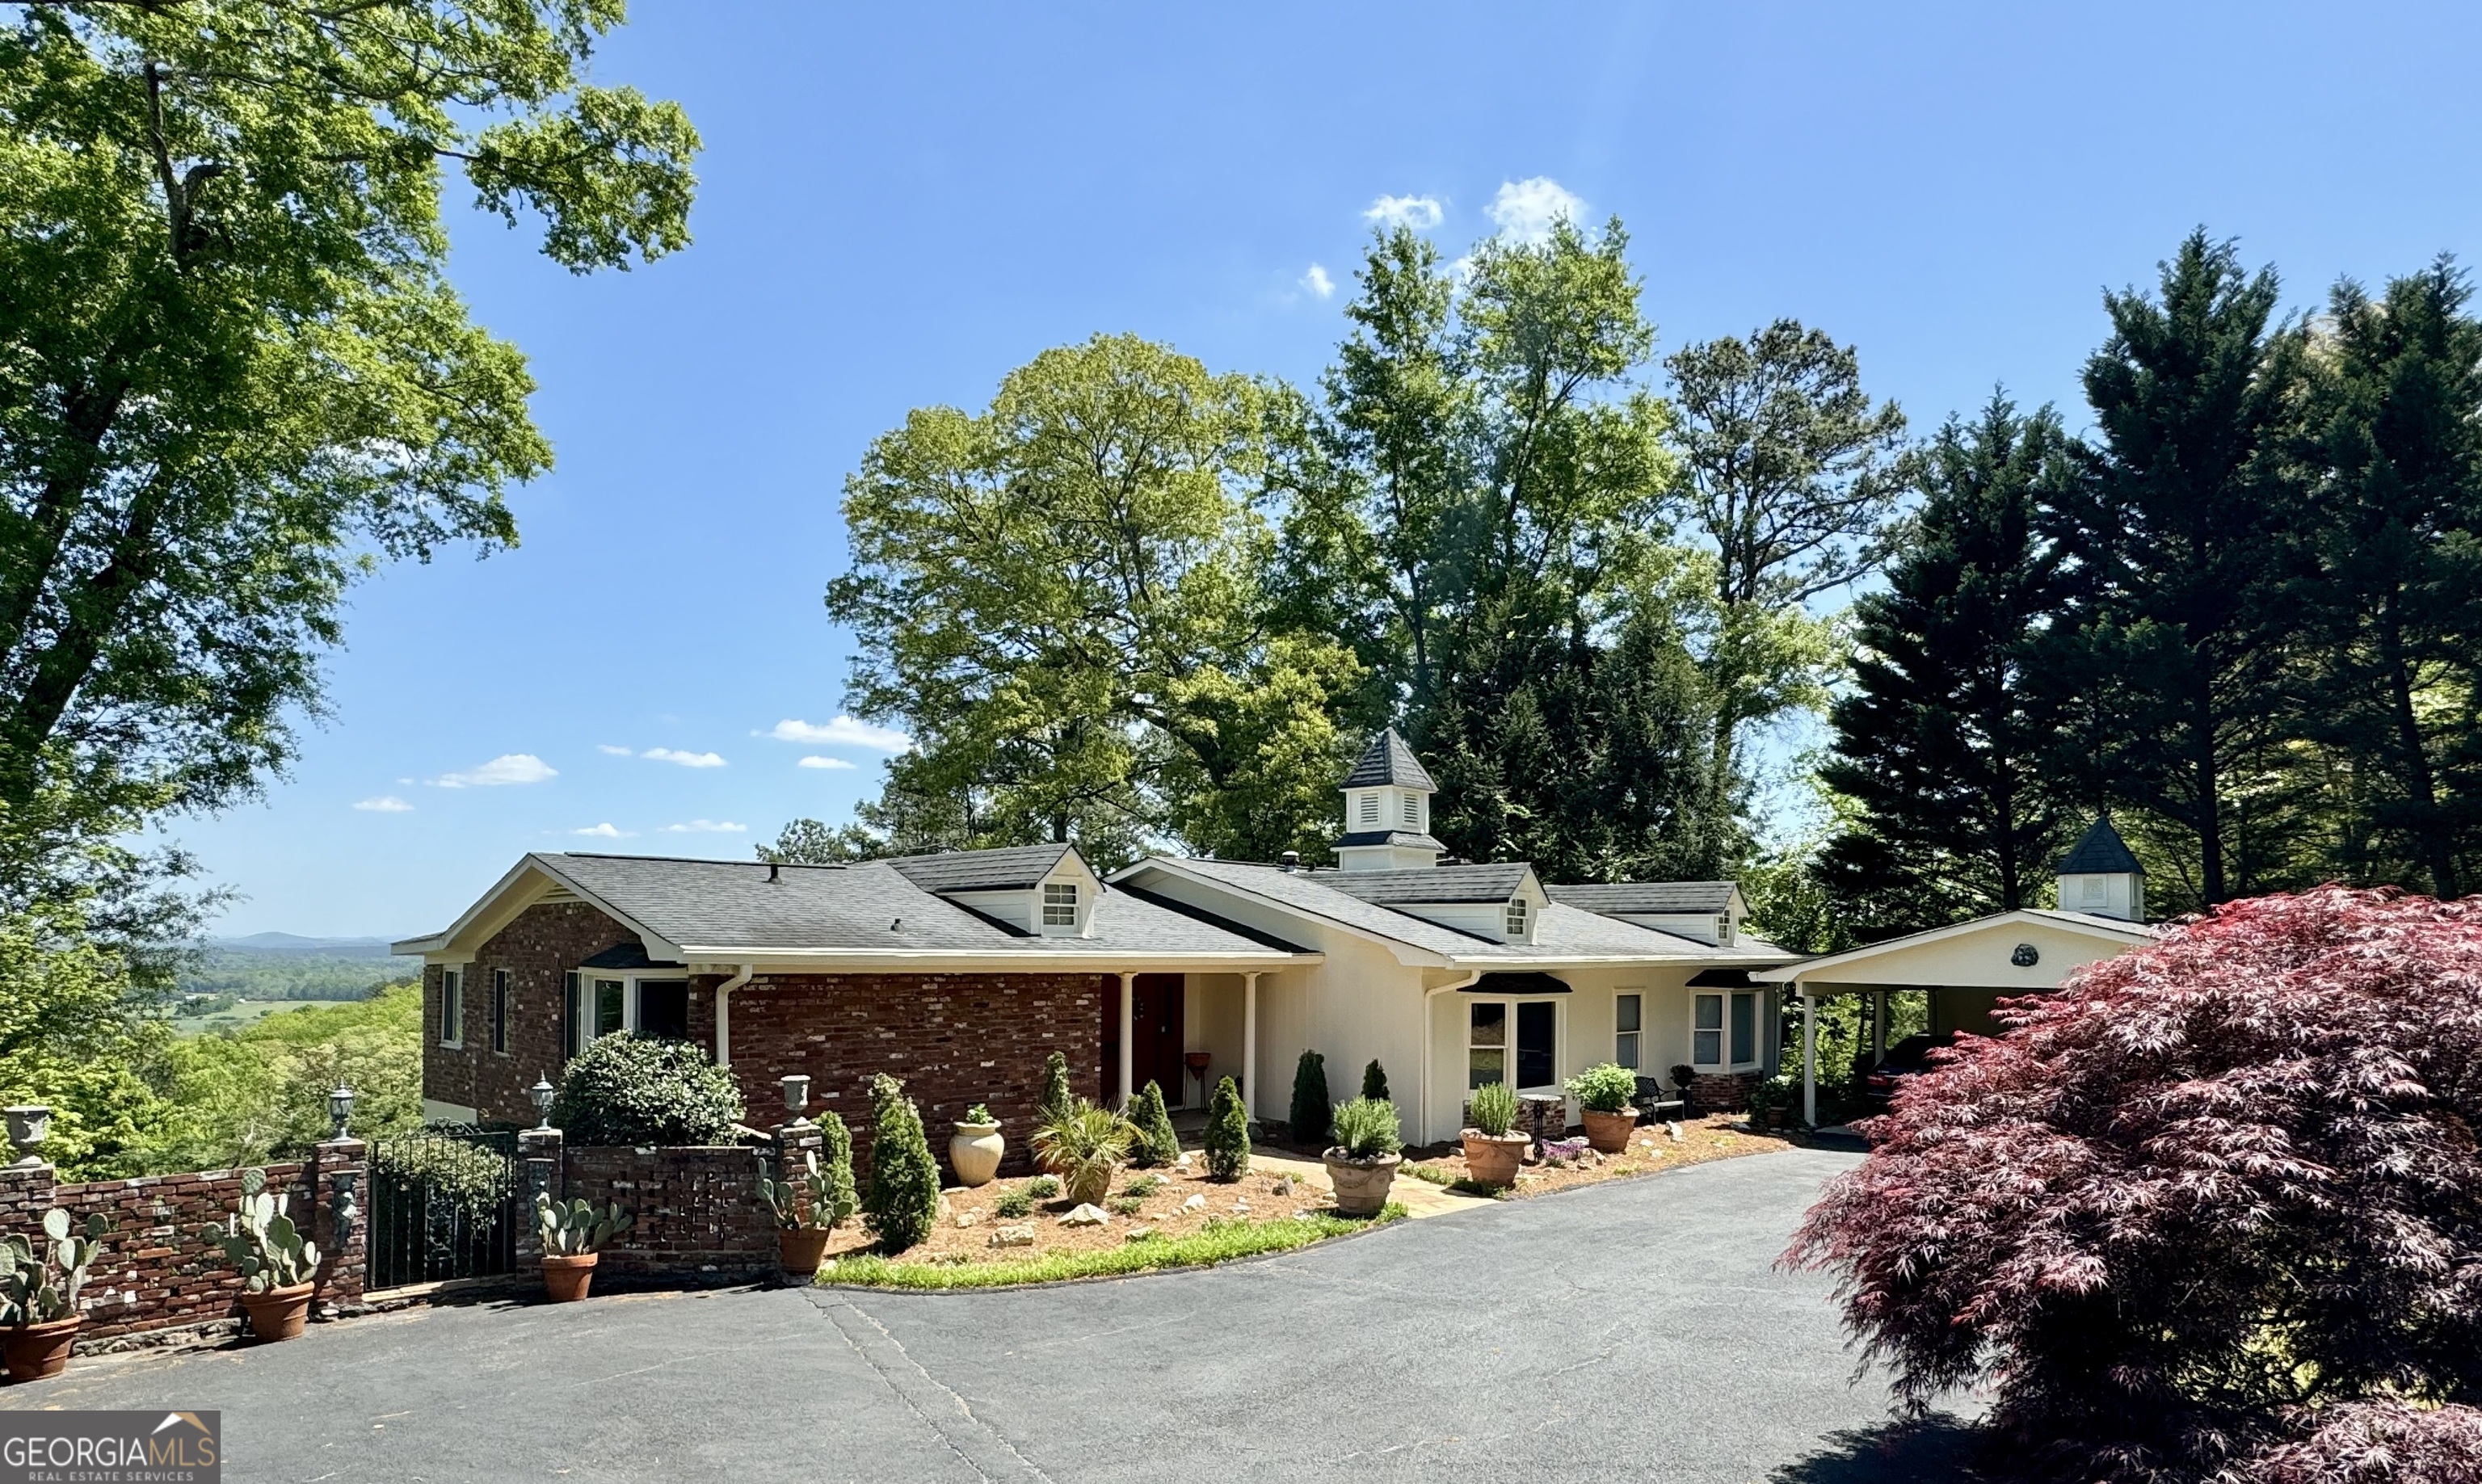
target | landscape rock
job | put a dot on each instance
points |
(1013, 1236)
(1193, 1204)
(969, 1218)
(1085, 1214)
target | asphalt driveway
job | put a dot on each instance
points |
(1635, 1330)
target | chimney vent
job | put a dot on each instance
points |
(1292, 860)
(775, 871)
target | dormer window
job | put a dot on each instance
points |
(1516, 919)
(1060, 904)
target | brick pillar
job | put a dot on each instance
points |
(338, 1175)
(540, 1155)
(793, 1141)
(26, 1192)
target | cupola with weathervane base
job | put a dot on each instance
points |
(1388, 810)
(2100, 877)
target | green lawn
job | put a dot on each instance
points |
(247, 1012)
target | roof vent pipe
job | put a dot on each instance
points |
(775, 870)
(1292, 860)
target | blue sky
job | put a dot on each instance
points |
(900, 203)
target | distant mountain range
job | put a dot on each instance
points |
(294, 943)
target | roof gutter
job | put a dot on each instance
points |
(723, 1013)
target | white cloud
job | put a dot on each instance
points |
(707, 827)
(1525, 209)
(1317, 281)
(1421, 213)
(816, 761)
(385, 804)
(843, 731)
(507, 768)
(605, 831)
(609, 748)
(685, 759)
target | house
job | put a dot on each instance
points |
(961, 972)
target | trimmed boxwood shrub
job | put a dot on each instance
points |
(1156, 1144)
(1374, 1082)
(1310, 1107)
(1227, 1133)
(903, 1202)
(630, 1090)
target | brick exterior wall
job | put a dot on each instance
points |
(538, 949)
(699, 1215)
(1715, 1092)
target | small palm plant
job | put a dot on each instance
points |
(1086, 1145)
(261, 1241)
(38, 1286)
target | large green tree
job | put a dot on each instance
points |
(233, 375)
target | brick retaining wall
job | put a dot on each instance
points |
(698, 1209)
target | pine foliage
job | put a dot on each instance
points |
(902, 1204)
(1156, 1143)
(1310, 1110)
(1227, 1133)
(1374, 1082)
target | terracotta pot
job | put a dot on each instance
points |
(1609, 1133)
(1493, 1159)
(974, 1153)
(35, 1351)
(278, 1313)
(1360, 1184)
(566, 1279)
(800, 1250)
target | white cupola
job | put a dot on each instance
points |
(1388, 810)
(2100, 877)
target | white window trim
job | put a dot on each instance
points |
(629, 980)
(1518, 920)
(452, 993)
(1508, 1048)
(1724, 1031)
(1075, 904)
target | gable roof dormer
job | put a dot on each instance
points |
(1501, 902)
(1046, 889)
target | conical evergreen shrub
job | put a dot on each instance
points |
(836, 1163)
(1310, 1109)
(903, 1202)
(1156, 1144)
(1227, 1133)
(1055, 1101)
(1374, 1082)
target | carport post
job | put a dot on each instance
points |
(1128, 1052)
(1250, 1048)
(1809, 1057)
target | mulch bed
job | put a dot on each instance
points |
(1713, 1136)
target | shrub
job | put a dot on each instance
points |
(1493, 1109)
(1126, 1206)
(627, 1088)
(1044, 1187)
(1609, 1088)
(1156, 1144)
(1142, 1185)
(1227, 1133)
(1374, 1082)
(1014, 1204)
(1054, 1098)
(471, 1179)
(1309, 1110)
(836, 1160)
(1365, 1128)
(1087, 1145)
(2194, 1203)
(980, 1114)
(903, 1202)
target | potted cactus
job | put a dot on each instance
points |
(1491, 1151)
(1608, 1096)
(574, 1234)
(1361, 1164)
(975, 1148)
(808, 1208)
(39, 1294)
(276, 1261)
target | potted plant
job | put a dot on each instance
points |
(574, 1234)
(276, 1261)
(808, 1208)
(1085, 1145)
(1361, 1164)
(1605, 1092)
(39, 1295)
(1491, 1151)
(975, 1148)
(1684, 1077)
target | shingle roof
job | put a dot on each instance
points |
(1406, 837)
(2102, 851)
(1389, 760)
(1646, 896)
(1496, 883)
(1013, 868)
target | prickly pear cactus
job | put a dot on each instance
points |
(39, 1285)
(261, 1241)
(815, 1199)
(572, 1229)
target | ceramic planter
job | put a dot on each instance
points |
(1491, 1159)
(278, 1313)
(800, 1250)
(35, 1351)
(1360, 1184)
(975, 1152)
(1092, 1190)
(1609, 1133)
(566, 1279)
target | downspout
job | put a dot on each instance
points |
(1430, 1034)
(723, 1013)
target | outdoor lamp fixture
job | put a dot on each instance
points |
(340, 1109)
(797, 1096)
(540, 1094)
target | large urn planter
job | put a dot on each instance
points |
(567, 1277)
(801, 1250)
(974, 1153)
(1491, 1159)
(278, 1313)
(1609, 1133)
(35, 1351)
(1360, 1184)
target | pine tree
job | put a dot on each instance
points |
(1227, 1133)
(1156, 1143)
(1942, 744)
(1374, 1082)
(1054, 1099)
(903, 1202)
(1310, 1109)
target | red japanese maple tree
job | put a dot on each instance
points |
(2213, 1211)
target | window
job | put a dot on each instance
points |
(1370, 808)
(500, 1011)
(1060, 904)
(1487, 1045)
(1626, 1011)
(610, 1009)
(452, 1007)
(1516, 917)
(1706, 1032)
(1412, 811)
(1536, 1026)
(1745, 1029)
(1486, 1051)
(663, 1009)
(573, 1018)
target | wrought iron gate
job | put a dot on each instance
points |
(444, 1203)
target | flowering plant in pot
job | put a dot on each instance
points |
(276, 1261)
(1361, 1164)
(1085, 1145)
(1606, 1095)
(39, 1294)
(574, 1234)
(1491, 1151)
(810, 1205)
(975, 1148)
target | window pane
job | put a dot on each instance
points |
(1629, 1012)
(607, 1007)
(1491, 1024)
(1745, 1028)
(452, 1006)
(664, 1008)
(1707, 1047)
(1485, 1065)
(1625, 1051)
(1710, 1012)
(1534, 1027)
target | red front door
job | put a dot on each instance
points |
(1155, 1035)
